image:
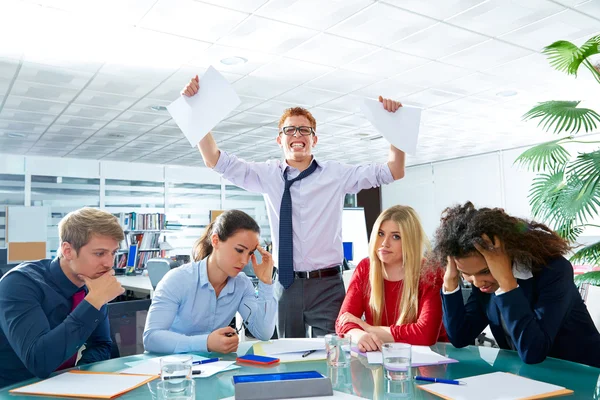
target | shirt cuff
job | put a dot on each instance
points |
(200, 343)
(88, 315)
(500, 292)
(264, 290)
(221, 165)
(452, 292)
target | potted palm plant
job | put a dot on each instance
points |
(566, 190)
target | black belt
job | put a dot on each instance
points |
(320, 273)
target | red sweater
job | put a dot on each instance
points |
(428, 328)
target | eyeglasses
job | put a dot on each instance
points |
(291, 130)
(238, 330)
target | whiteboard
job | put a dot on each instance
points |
(27, 224)
(354, 229)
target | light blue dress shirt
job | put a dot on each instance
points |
(185, 309)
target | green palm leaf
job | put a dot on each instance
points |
(578, 200)
(546, 156)
(563, 116)
(587, 168)
(569, 231)
(592, 277)
(562, 55)
(587, 255)
(566, 57)
(544, 193)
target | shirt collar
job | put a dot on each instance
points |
(521, 272)
(202, 265)
(285, 165)
(63, 283)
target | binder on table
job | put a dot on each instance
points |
(95, 385)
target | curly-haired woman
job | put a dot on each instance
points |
(522, 286)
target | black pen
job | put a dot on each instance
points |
(166, 378)
(308, 353)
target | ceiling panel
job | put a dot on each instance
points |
(192, 19)
(486, 55)
(567, 25)
(330, 50)
(436, 9)
(495, 17)
(302, 12)
(426, 43)
(386, 63)
(267, 35)
(381, 24)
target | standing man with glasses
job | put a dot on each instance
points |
(305, 200)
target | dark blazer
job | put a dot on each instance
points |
(545, 317)
(38, 330)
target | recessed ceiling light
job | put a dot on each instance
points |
(115, 135)
(507, 93)
(158, 108)
(234, 60)
(15, 135)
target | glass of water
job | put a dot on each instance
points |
(338, 350)
(176, 375)
(396, 361)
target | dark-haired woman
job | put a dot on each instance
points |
(194, 304)
(522, 286)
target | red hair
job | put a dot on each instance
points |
(298, 111)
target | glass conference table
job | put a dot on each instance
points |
(367, 380)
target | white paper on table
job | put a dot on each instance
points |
(282, 346)
(213, 368)
(295, 357)
(488, 354)
(84, 385)
(152, 367)
(420, 355)
(494, 386)
(197, 115)
(374, 357)
(336, 395)
(400, 129)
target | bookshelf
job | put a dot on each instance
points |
(143, 235)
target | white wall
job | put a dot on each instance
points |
(486, 180)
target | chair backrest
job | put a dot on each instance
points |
(157, 268)
(127, 321)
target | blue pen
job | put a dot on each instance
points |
(209, 360)
(439, 380)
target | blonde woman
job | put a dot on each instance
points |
(400, 301)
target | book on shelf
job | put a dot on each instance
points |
(136, 221)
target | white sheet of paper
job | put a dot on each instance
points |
(295, 357)
(336, 395)
(84, 385)
(197, 115)
(421, 355)
(282, 346)
(493, 386)
(152, 367)
(400, 129)
(488, 354)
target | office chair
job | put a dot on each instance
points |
(157, 268)
(127, 321)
